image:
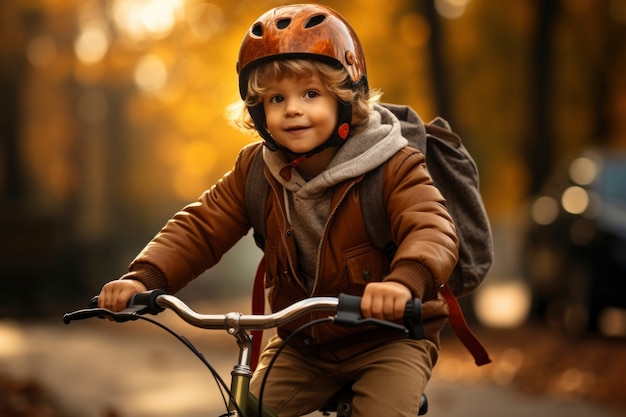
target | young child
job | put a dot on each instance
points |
(302, 78)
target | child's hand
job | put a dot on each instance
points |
(115, 295)
(385, 300)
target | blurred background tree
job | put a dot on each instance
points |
(113, 112)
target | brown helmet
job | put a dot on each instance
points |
(301, 31)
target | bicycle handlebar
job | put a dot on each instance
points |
(347, 309)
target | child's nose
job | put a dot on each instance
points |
(293, 108)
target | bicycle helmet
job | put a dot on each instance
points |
(302, 31)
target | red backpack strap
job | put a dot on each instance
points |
(258, 307)
(462, 330)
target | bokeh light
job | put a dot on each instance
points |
(150, 73)
(583, 171)
(503, 305)
(41, 50)
(575, 200)
(451, 9)
(545, 210)
(140, 20)
(11, 339)
(204, 19)
(612, 322)
(92, 43)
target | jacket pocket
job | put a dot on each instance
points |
(365, 264)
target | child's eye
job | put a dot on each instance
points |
(311, 94)
(276, 99)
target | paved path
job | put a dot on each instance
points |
(96, 367)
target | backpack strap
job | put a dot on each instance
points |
(258, 307)
(371, 186)
(257, 189)
(375, 215)
(462, 330)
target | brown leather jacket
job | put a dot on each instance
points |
(196, 237)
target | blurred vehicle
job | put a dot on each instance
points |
(574, 252)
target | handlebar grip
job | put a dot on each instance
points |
(148, 301)
(140, 303)
(349, 314)
(413, 319)
(348, 310)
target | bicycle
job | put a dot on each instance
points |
(346, 309)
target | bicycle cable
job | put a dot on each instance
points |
(282, 346)
(199, 355)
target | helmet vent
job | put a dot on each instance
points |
(314, 21)
(257, 30)
(283, 23)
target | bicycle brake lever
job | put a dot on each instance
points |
(379, 323)
(87, 313)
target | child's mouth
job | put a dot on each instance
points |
(296, 129)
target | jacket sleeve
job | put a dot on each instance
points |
(421, 226)
(196, 237)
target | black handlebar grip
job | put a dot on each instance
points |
(349, 314)
(147, 301)
(143, 299)
(413, 319)
(349, 310)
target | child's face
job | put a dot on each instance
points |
(300, 112)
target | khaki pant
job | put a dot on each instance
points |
(389, 380)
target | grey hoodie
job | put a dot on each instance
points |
(308, 202)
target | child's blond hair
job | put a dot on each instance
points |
(334, 78)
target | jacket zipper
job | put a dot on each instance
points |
(318, 262)
(331, 215)
(284, 240)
